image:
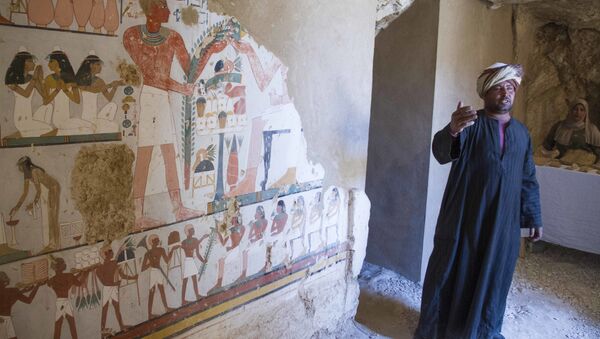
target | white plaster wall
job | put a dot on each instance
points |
(471, 37)
(314, 304)
(328, 47)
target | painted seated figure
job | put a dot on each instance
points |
(90, 85)
(574, 139)
(22, 83)
(60, 88)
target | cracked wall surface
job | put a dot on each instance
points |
(388, 11)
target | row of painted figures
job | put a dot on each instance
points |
(95, 12)
(57, 90)
(280, 245)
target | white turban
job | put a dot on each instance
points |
(496, 74)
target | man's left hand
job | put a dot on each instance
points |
(535, 234)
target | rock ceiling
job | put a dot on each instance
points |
(573, 13)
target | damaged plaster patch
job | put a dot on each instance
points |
(129, 73)
(388, 11)
(307, 301)
(189, 16)
(101, 184)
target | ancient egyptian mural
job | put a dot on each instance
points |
(153, 167)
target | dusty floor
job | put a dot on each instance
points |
(555, 294)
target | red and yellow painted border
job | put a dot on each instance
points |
(218, 304)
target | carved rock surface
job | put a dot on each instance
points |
(388, 11)
(563, 65)
(573, 13)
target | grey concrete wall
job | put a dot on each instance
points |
(328, 47)
(400, 131)
(471, 37)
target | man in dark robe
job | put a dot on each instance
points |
(491, 193)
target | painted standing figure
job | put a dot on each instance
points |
(91, 85)
(47, 190)
(158, 277)
(110, 275)
(191, 245)
(8, 297)
(22, 83)
(152, 48)
(230, 237)
(61, 283)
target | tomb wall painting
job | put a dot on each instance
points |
(195, 127)
(110, 286)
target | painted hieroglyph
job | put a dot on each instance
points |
(220, 199)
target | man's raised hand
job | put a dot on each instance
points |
(463, 117)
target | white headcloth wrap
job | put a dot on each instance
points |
(496, 74)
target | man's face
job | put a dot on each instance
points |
(60, 265)
(159, 12)
(500, 98)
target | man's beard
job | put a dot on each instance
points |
(501, 107)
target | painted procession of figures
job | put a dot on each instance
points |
(57, 90)
(233, 249)
(98, 16)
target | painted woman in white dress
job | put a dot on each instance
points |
(20, 81)
(91, 85)
(60, 88)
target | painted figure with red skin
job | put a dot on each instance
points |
(191, 246)
(280, 219)
(152, 48)
(61, 284)
(8, 297)
(110, 275)
(229, 239)
(277, 248)
(255, 238)
(158, 277)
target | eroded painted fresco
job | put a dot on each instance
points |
(152, 159)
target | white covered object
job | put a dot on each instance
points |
(570, 208)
